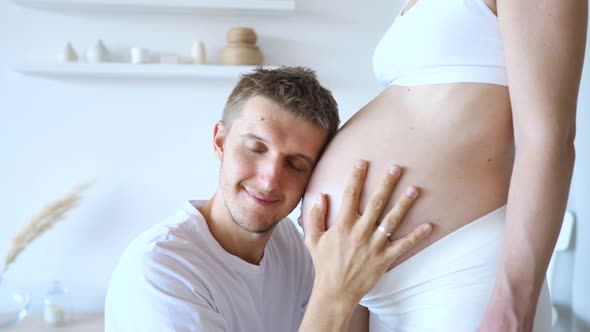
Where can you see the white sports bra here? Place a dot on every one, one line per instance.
(438, 42)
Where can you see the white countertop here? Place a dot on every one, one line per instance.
(87, 322)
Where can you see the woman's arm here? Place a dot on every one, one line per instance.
(544, 43)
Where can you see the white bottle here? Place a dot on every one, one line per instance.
(56, 305)
(68, 54)
(139, 55)
(198, 53)
(97, 53)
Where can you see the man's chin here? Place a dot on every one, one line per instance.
(254, 225)
(258, 229)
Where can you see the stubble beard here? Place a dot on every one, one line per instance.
(239, 217)
(239, 214)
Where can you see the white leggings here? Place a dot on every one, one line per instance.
(447, 286)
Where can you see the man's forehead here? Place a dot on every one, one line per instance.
(261, 114)
(262, 109)
(270, 122)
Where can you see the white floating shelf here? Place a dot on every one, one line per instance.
(165, 6)
(131, 71)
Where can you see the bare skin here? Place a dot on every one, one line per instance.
(474, 147)
(263, 176)
(468, 170)
(364, 251)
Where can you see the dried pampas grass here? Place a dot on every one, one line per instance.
(42, 221)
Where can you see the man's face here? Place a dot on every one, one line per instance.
(266, 160)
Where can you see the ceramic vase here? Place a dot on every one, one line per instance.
(198, 53)
(68, 54)
(97, 53)
(241, 48)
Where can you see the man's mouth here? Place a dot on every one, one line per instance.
(261, 199)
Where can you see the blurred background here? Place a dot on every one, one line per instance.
(147, 141)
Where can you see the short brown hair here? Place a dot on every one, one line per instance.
(296, 89)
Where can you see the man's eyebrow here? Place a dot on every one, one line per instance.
(256, 137)
(298, 155)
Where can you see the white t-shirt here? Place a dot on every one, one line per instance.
(176, 277)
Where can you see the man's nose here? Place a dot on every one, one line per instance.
(270, 173)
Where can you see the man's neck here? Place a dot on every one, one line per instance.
(232, 238)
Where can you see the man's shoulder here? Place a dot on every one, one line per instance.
(169, 254)
(171, 229)
(182, 238)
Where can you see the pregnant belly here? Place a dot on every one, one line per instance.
(460, 162)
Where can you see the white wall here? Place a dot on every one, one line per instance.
(148, 142)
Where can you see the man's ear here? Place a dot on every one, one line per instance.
(219, 139)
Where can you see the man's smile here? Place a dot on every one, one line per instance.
(261, 198)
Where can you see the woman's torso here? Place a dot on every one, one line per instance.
(452, 134)
(454, 141)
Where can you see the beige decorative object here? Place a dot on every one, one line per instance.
(41, 222)
(241, 48)
(198, 53)
(68, 54)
